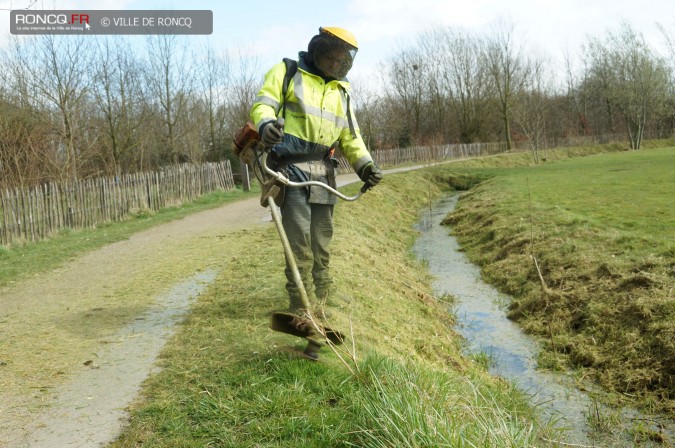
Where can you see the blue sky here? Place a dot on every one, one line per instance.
(276, 29)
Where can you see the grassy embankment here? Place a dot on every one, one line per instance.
(602, 231)
(228, 380)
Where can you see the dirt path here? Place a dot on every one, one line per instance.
(77, 342)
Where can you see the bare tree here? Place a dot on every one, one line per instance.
(632, 78)
(23, 160)
(53, 73)
(669, 38)
(405, 90)
(367, 102)
(118, 95)
(436, 125)
(577, 94)
(246, 82)
(510, 71)
(214, 82)
(169, 77)
(531, 111)
(245, 85)
(464, 76)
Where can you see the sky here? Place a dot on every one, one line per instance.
(275, 29)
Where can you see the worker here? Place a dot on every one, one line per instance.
(318, 116)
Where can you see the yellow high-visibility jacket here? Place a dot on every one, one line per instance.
(316, 116)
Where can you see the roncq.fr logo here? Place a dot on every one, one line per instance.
(28, 18)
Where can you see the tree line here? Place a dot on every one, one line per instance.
(454, 85)
(74, 108)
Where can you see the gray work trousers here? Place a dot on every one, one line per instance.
(309, 228)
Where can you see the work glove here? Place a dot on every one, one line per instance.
(270, 135)
(371, 174)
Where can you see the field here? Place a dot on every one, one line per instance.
(587, 247)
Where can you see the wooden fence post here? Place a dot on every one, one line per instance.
(245, 181)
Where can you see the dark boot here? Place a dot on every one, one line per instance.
(295, 305)
(324, 293)
(314, 343)
(312, 351)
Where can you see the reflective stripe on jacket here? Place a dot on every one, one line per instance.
(316, 116)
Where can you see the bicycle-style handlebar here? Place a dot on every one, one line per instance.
(281, 178)
(289, 183)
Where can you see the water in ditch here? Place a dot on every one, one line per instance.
(481, 317)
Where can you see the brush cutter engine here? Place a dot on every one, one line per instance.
(251, 151)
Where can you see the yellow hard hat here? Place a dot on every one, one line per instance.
(340, 33)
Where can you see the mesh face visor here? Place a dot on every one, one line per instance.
(334, 57)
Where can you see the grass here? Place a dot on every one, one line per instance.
(601, 229)
(230, 381)
(412, 407)
(227, 380)
(23, 261)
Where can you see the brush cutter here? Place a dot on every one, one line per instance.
(253, 152)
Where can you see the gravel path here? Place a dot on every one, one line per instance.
(77, 341)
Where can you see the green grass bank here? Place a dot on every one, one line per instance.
(601, 229)
(229, 381)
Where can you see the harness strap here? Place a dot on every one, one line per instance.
(291, 69)
(301, 158)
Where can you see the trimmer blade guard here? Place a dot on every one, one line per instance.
(302, 327)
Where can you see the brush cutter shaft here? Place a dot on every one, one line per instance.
(276, 216)
(312, 327)
(267, 176)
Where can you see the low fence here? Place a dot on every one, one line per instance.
(436, 153)
(36, 213)
(32, 214)
(421, 154)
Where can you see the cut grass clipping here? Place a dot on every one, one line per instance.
(228, 380)
(601, 231)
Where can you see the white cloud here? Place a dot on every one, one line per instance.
(552, 26)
